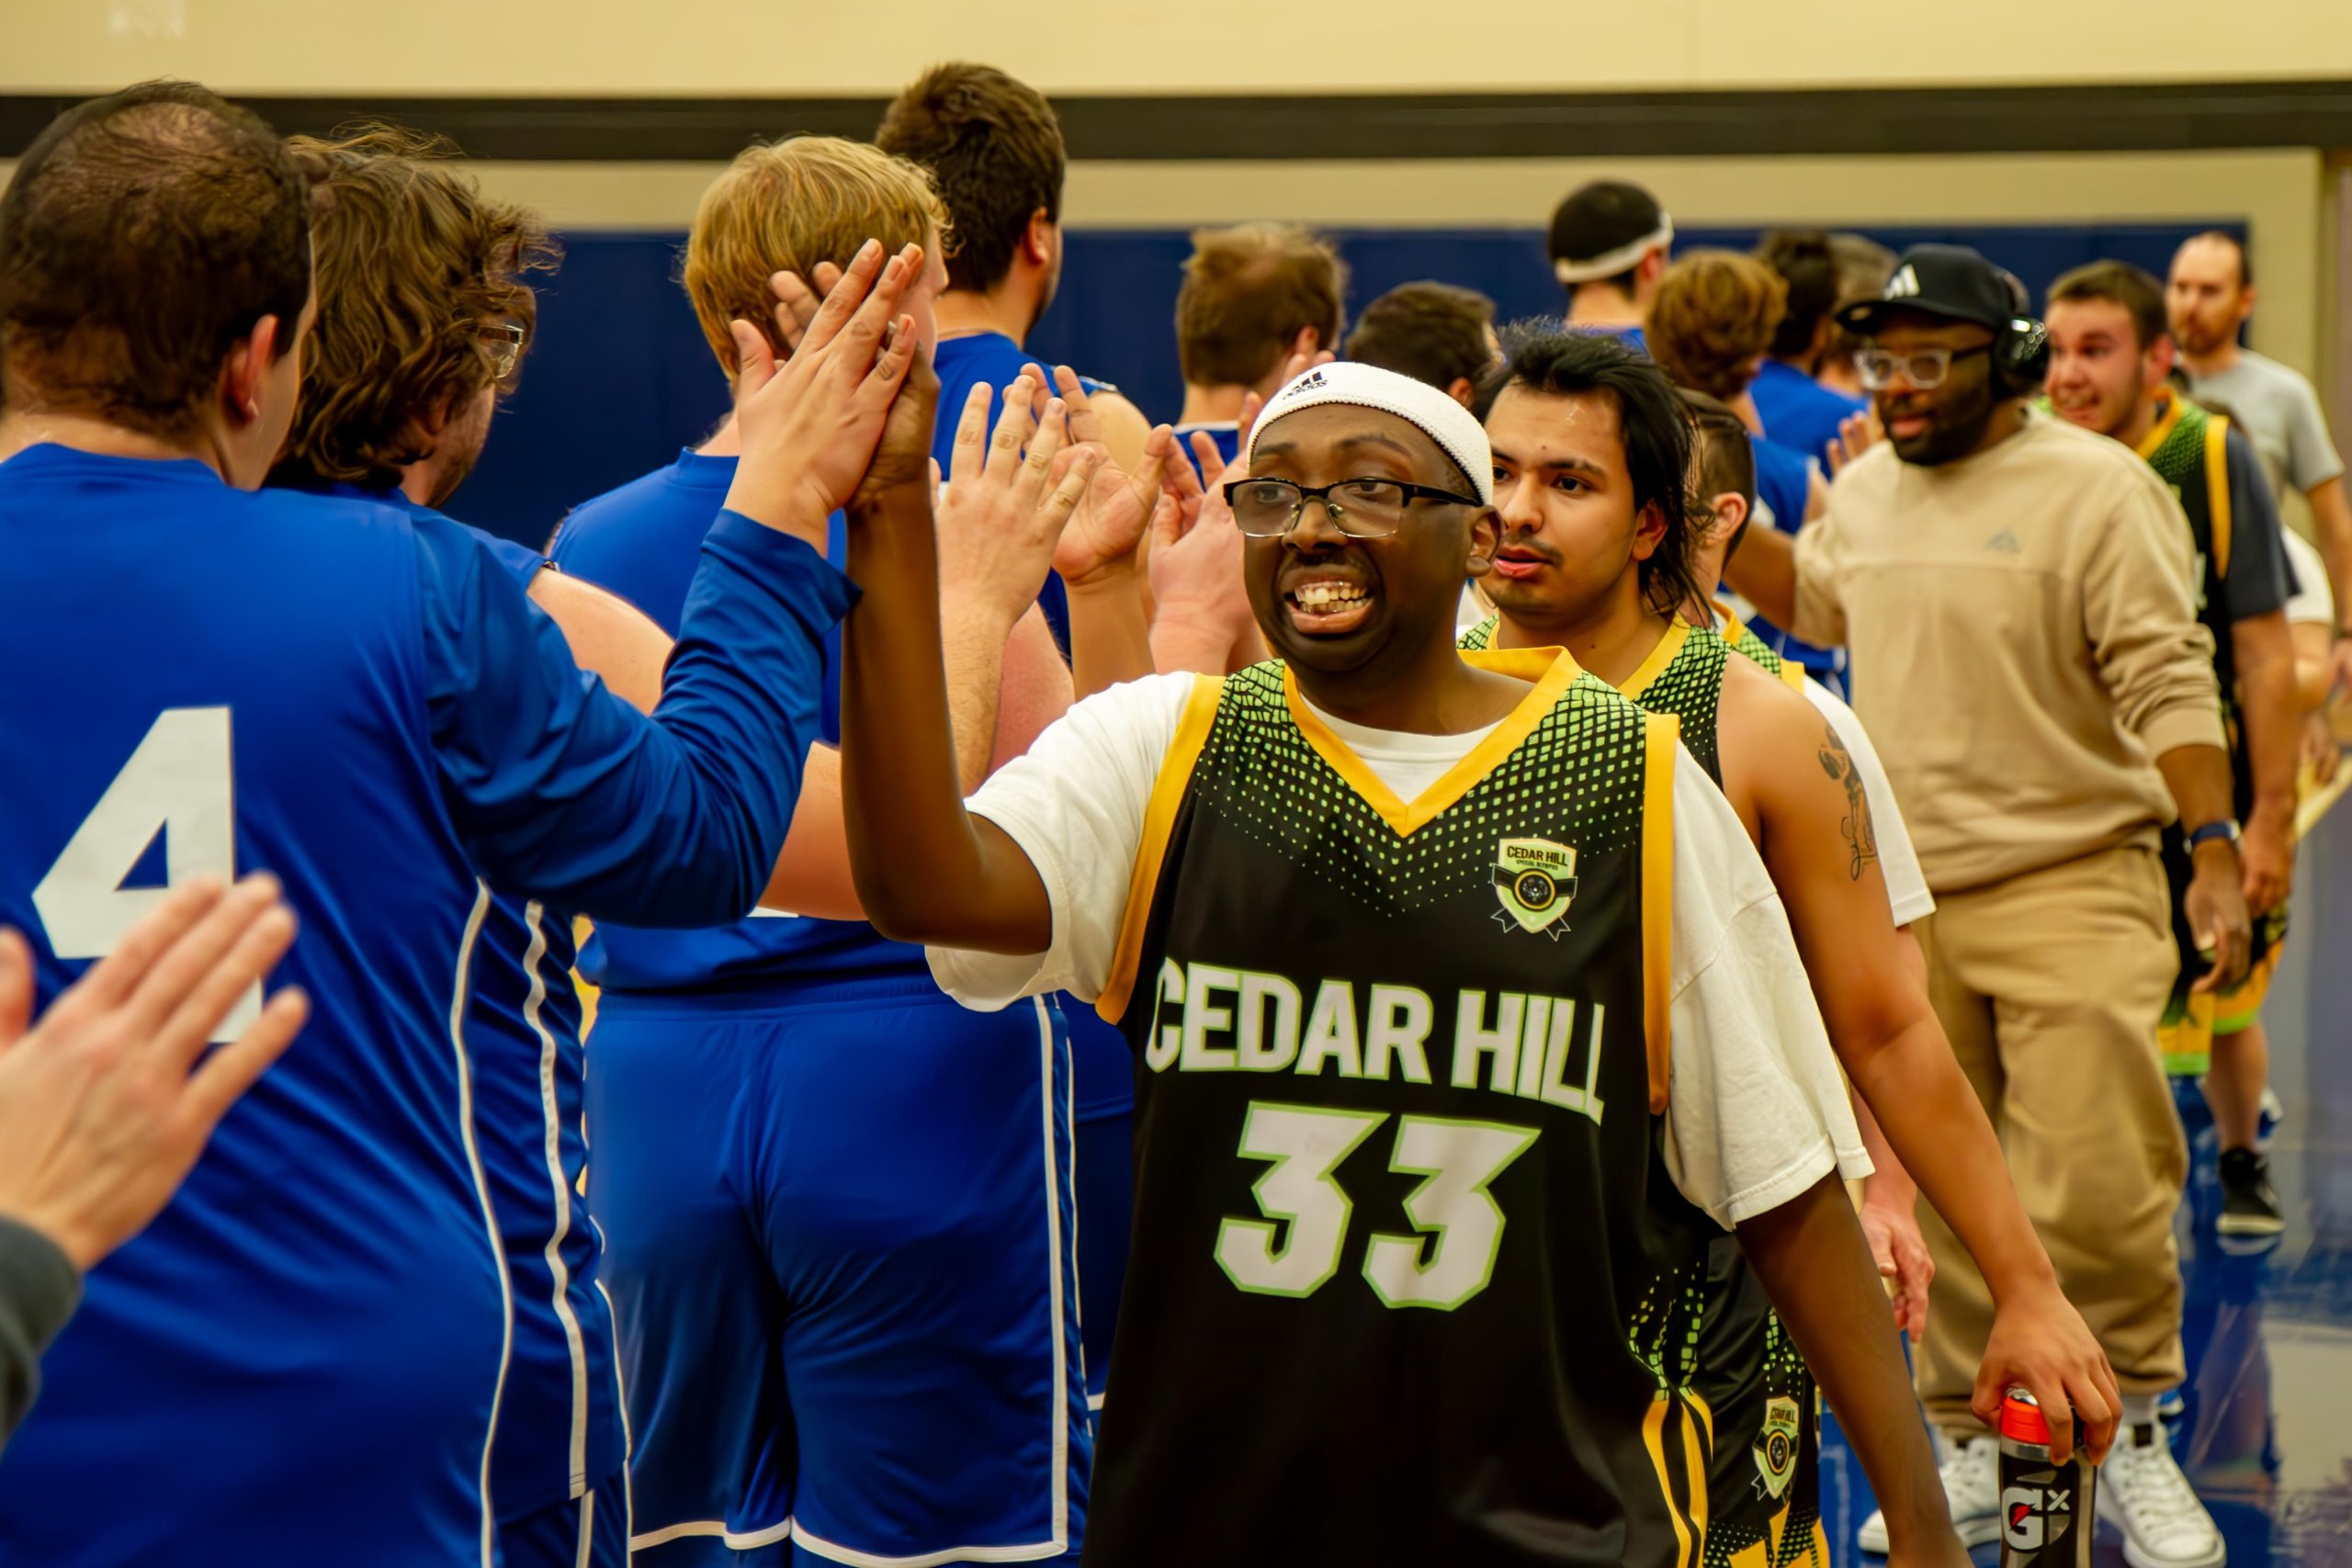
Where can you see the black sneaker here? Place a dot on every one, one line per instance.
(2249, 1203)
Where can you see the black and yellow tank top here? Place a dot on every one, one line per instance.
(1409, 1281)
(2188, 448)
(1763, 1457)
(1682, 676)
(1743, 639)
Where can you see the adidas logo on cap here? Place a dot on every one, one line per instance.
(1903, 284)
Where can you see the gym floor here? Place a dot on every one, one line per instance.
(2265, 1434)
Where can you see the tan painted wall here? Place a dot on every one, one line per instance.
(799, 46)
(2279, 193)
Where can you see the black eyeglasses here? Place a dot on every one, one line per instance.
(1363, 509)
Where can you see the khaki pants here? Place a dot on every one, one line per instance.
(2050, 986)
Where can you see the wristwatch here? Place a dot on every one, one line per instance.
(2226, 830)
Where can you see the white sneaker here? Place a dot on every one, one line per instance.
(2142, 1493)
(1972, 1478)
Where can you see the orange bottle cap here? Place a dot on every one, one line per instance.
(2022, 1420)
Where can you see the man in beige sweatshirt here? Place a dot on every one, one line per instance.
(2015, 595)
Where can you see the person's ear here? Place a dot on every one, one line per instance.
(1649, 531)
(2245, 301)
(250, 360)
(2162, 354)
(1731, 513)
(1463, 390)
(1486, 535)
(1306, 341)
(1038, 239)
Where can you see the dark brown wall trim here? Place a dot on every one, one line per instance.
(2165, 117)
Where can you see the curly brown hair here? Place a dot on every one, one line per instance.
(416, 270)
(1712, 317)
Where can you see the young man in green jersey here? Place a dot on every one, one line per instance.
(1467, 1022)
(2111, 353)
(1600, 553)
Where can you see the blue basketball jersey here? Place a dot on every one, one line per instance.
(301, 1357)
(1799, 412)
(560, 1426)
(1783, 481)
(639, 541)
(1225, 433)
(964, 363)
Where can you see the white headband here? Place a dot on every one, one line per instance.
(1455, 429)
(1623, 259)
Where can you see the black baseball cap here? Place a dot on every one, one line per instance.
(1952, 281)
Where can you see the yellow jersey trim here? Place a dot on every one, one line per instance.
(1551, 669)
(1660, 657)
(2217, 491)
(1790, 673)
(2153, 441)
(1662, 733)
(1151, 853)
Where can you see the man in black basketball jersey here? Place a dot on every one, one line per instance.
(1468, 1021)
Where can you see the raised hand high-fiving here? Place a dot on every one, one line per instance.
(811, 426)
(1116, 510)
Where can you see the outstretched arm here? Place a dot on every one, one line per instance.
(1809, 1253)
(926, 869)
(1820, 843)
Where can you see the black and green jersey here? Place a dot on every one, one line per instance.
(2233, 524)
(1409, 1281)
(2187, 449)
(1682, 676)
(1743, 639)
(1763, 1467)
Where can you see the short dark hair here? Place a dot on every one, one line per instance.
(1726, 454)
(2142, 297)
(415, 264)
(1596, 219)
(2223, 237)
(1433, 332)
(994, 148)
(1657, 431)
(1247, 291)
(144, 234)
(1803, 258)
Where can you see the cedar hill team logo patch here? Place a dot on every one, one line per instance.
(1535, 880)
(1776, 1449)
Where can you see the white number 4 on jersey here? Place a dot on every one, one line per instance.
(178, 780)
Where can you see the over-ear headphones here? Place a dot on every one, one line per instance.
(2021, 344)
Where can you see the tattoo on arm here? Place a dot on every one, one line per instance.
(1861, 839)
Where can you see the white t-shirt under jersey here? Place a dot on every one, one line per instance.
(1757, 1111)
(1906, 884)
(2312, 602)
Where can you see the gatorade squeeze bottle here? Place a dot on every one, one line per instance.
(2046, 1512)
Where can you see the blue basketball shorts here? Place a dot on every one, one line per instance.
(840, 1248)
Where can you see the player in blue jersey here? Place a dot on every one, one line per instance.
(838, 1208)
(1711, 317)
(1609, 243)
(994, 151)
(424, 315)
(1795, 409)
(301, 1359)
(1254, 298)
